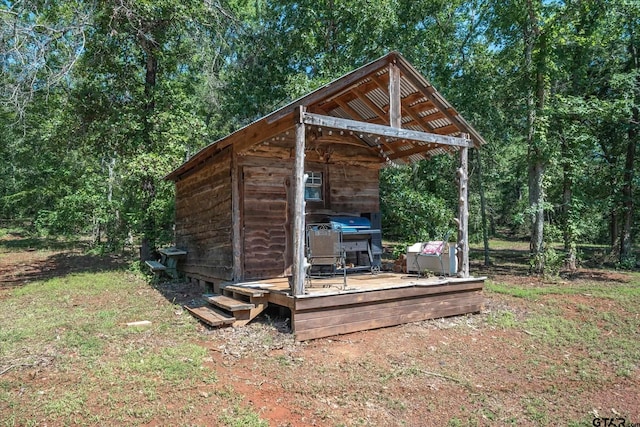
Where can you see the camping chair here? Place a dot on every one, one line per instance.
(324, 248)
(434, 248)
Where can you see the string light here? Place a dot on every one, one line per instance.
(387, 160)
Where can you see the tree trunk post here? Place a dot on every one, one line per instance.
(298, 265)
(463, 213)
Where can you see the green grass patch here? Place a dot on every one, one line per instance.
(608, 335)
(62, 288)
(503, 319)
(622, 292)
(14, 240)
(173, 364)
(239, 416)
(66, 405)
(74, 361)
(557, 331)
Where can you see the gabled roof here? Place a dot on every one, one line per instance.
(365, 95)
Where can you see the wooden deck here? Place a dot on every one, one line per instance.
(371, 301)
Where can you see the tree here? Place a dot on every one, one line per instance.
(40, 42)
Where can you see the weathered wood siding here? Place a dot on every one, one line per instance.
(203, 220)
(266, 220)
(266, 208)
(353, 189)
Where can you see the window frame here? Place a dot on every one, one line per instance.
(314, 175)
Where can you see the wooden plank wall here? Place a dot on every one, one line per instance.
(354, 189)
(319, 317)
(266, 219)
(203, 219)
(266, 208)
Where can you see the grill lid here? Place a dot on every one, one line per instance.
(350, 223)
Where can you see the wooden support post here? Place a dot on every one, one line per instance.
(395, 102)
(297, 267)
(463, 214)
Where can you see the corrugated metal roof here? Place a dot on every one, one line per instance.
(406, 88)
(362, 109)
(368, 81)
(378, 97)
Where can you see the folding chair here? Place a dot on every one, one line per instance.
(324, 248)
(434, 248)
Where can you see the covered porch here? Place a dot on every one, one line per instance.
(244, 204)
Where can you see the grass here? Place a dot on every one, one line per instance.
(620, 292)
(239, 416)
(606, 331)
(75, 328)
(529, 360)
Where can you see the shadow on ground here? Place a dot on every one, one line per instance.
(19, 268)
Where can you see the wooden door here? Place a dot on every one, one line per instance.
(266, 221)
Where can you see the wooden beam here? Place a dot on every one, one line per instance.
(445, 130)
(463, 214)
(405, 105)
(297, 266)
(422, 106)
(336, 88)
(380, 130)
(347, 108)
(377, 110)
(434, 116)
(415, 97)
(395, 105)
(412, 75)
(357, 116)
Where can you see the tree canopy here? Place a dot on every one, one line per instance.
(99, 100)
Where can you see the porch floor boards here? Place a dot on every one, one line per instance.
(371, 301)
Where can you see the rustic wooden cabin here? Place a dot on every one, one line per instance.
(244, 203)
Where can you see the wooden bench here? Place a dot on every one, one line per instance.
(156, 268)
(169, 258)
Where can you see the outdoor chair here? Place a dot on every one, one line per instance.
(324, 248)
(434, 248)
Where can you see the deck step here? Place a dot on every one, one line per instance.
(250, 292)
(211, 316)
(228, 303)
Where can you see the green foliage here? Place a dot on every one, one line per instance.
(99, 101)
(410, 211)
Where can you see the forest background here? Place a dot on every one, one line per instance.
(99, 100)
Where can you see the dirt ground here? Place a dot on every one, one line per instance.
(465, 370)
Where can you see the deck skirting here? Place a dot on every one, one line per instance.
(328, 315)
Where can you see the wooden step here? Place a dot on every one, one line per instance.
(211, 316)
(228, 303)
(250, 292)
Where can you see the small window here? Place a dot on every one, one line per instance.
(313, 186)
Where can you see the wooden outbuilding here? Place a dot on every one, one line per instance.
(244, 201)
